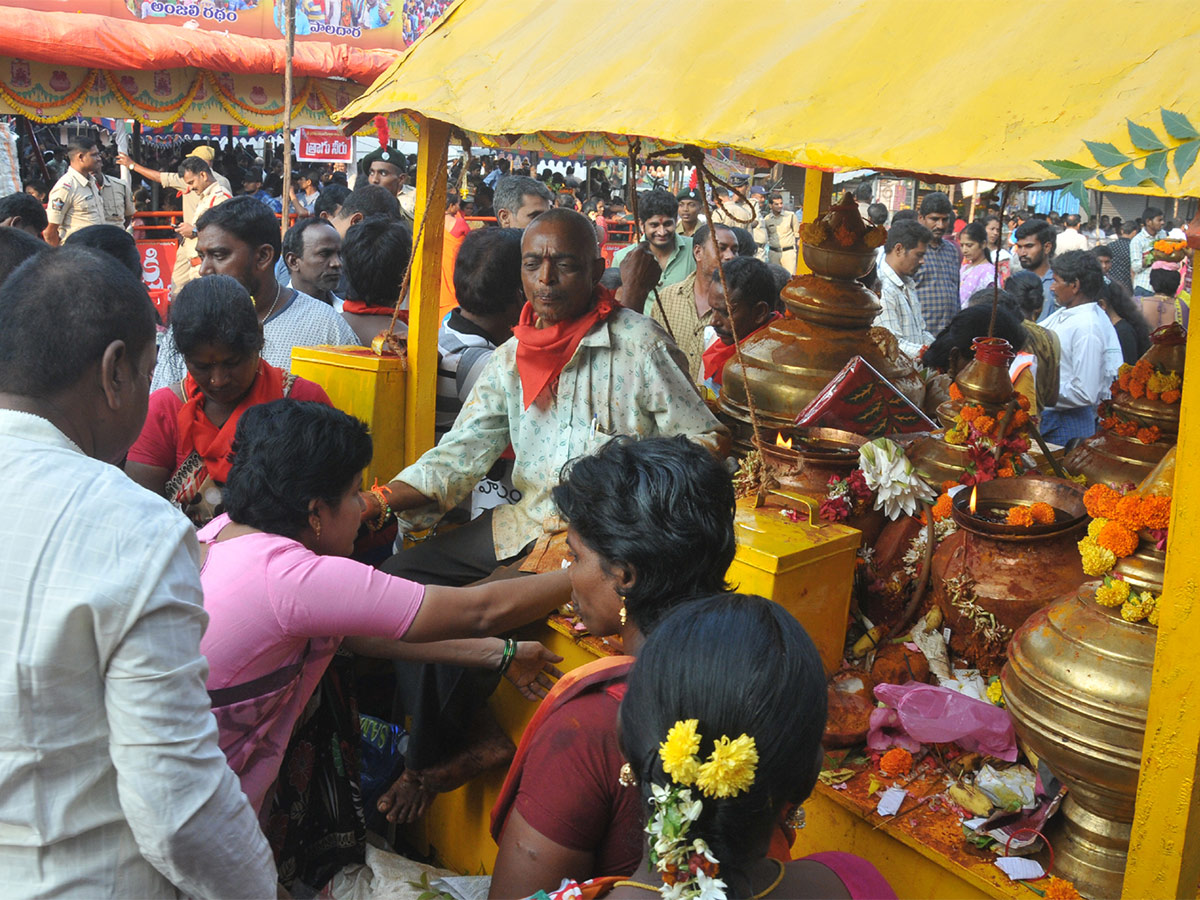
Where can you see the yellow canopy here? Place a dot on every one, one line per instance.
(962, 91)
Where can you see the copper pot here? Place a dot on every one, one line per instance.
(936, 460)
(1077, 684)
(833, 262)
(816, 455)
(989, 577)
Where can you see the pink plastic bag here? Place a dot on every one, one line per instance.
(935, 715)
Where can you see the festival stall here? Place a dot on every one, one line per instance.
(985, 574)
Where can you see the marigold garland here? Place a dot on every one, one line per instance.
(1061, 889)
(1096, 560)
(1116, 537)
(1113, 592)
(72, 102)
(943, 507)
(131, 106)
(1100, 501)
(955, 391)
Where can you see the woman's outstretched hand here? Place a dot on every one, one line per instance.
(532, 669)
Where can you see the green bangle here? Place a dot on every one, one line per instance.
(510, 650)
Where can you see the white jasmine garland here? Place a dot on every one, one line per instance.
(887, 471)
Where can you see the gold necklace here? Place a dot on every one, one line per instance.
(278, 294)
(763, 893)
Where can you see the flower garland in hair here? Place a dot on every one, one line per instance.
(688, 868)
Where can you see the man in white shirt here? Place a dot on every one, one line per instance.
(1070, 238)
(1091, 353)
(1141, 244)
(240, 238)
(112, 782)
(907, 241)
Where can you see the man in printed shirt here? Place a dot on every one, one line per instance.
(937, 278)
(1141, 244)
(113, 784)
(906, 249)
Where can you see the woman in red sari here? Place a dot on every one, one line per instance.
(650, 527)
(184, 449)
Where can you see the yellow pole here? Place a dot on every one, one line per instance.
(818, 195)
(425, 289)
(1164, 854)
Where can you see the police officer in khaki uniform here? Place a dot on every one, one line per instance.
(116, 200)
(736, 212)
(74, 201)
(781, 229)
(184, 269)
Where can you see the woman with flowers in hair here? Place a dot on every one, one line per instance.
(650, 528)
(722, 724)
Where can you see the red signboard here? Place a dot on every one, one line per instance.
(326, 145)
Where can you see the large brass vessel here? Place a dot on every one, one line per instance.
(1109, 458)
(790, 361)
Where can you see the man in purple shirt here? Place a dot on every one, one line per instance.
(937, 279)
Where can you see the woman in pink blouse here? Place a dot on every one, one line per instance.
(282, 597)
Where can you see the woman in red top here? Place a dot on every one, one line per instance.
(184, 449)
(650, 527)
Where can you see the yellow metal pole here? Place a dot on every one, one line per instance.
(1164, 854)
(425, 288)
(818, 194)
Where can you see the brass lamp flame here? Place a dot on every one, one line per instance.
(780, 442)
(974, 494)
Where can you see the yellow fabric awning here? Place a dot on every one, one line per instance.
(951, 90)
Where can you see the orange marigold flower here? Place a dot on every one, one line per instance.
(1142, 370)
(1006, 472)
(946, 485)
(896, 761)
(942, 508)
(1043, 513)
(1101, 501)
(1137, 389)
(1170, 396)
(970, 413)
(1061, 889)
(1156, 512)
(1123, 380)
(1020, 419)
(1126, 429)
(1128, 512)
(1023, 402)
(1151, 394)
(1020, 515)
(955, 392)
(1149, 435)
(1116, 537)
(984, 424)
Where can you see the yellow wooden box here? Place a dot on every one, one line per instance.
(367, 386)
(806, 568)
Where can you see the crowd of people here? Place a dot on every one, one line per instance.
(198, 584)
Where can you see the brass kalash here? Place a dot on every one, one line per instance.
(1111, 458)
(790, 361)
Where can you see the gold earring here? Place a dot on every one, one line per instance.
(317, 526)
(626, 779)
(795, 818)
(622, 613)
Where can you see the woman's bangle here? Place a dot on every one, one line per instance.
(510, 650)
(381, 493)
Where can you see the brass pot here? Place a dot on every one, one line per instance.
(989, 577)
(815, 456)
(1077, 684)
(1108, 458)
(937, 461)
(1165, 416)
(832, 262)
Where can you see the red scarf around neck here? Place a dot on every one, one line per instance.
(542, 353)
(719, 353)
(358, 308)
(213, 444)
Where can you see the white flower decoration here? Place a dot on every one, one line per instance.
(898, 489)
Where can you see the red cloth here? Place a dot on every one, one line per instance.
(860, 400)
(452, 240)
(158, 444)
(358, 308)
(564, 778)
(542, 353)
(719, 353)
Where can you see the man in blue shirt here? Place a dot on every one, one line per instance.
(937, 279)
(252, 185)
(1034, 248)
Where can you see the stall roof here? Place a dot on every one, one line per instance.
(833, 84)
(94, 41)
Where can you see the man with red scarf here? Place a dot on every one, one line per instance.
(753, 304)
(581, 370)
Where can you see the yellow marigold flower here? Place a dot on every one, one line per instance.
(730, 768)
(678, 752)
(1061, 889)
(1096, 559)
(1132, 611)
(995, 693)
(1094, 527)
(1113, 592)
(1152, 619)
